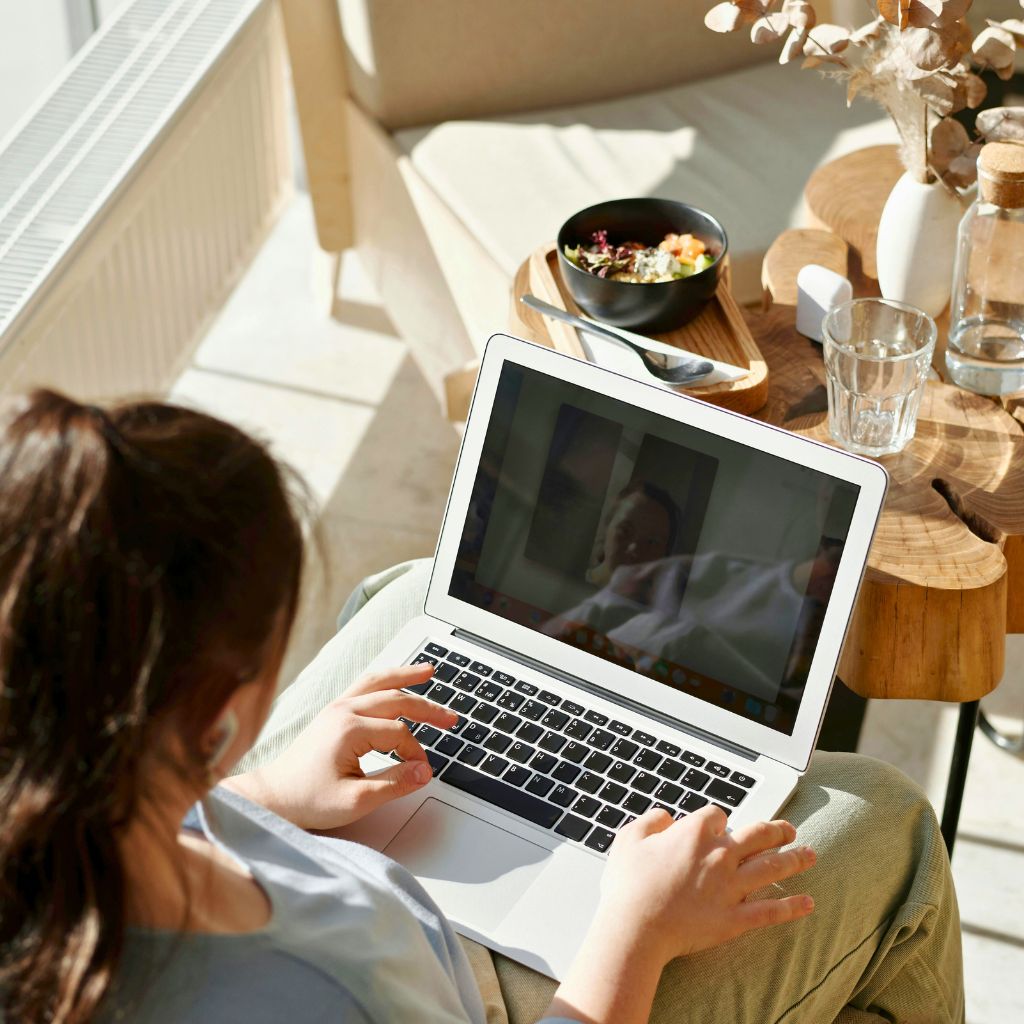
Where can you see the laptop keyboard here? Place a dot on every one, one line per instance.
(555, 762)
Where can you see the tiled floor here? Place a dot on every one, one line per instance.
(344, 404)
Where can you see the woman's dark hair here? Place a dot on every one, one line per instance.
(147, 554)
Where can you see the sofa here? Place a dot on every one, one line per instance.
(445, 140)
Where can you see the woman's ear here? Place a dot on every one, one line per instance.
(224, 731)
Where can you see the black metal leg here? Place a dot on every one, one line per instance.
(1011, 746)
(958, 771)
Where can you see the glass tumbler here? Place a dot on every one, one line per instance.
(877, 356)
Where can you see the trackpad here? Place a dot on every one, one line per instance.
(475, 871)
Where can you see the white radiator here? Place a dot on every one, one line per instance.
(135, 193)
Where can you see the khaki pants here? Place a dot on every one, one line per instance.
(883, 943)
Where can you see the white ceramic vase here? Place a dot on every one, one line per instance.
(917, 243)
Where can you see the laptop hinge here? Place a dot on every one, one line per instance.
(615, 698)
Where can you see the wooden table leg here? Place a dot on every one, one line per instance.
(958, 771)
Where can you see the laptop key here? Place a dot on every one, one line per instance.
(726, 794)
(466, 681)
(440, 694)
(647, 759)
(669, 792)
(524, 687)
(436, 650)
(722, 807)
(494, 765)
(669, 748)
(480, 668)
(555, 719)
(488, 690)
(610, 816)
(621, 772)
(563, 795)
(644, 737)
(448, 745)
(504, 678)
(629, 818)
(624, 749)
(572, 707)
(530, 731)
(575, 752)
(516, 775)
(437, 762)
(484, 713)
(596, 717)
(573, 827)
(501, 794)
(636, 803)
(498, 742)
(420, 688)
(462, 703)
(474, 733)
(577, 729)
(697, 780)
(520, 752)
(424, 659)
(589, 782)
(597, 761)
(445, 672)
(532, 710)
(717, 769)
(553, 742)
(601, 739)
(458, 659)
(507, 722)
(671, 770)
(539, 785)
(670, 811)
(566, 772)
(741, 780)
(550, 698)
(695, 759)
(427, 735)
(510, 700)
(471, 755)
(645, 783)
(692, 802)
(543, 762)
(620, 727)
(459, 725)
(612, 792)
(600, 839)
(587, 806)
(410, 725)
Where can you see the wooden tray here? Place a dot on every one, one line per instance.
(720, 332)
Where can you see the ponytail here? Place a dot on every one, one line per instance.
(144, 554)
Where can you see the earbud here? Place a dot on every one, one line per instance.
(228, 727)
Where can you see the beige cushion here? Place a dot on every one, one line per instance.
(740, 145)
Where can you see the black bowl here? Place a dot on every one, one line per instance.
(648, 307)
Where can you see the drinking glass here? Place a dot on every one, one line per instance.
(877, 355)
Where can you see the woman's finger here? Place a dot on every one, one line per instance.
(399, 780)
(391, 679)
(750, 840)
(396, 704)
(653, 820)
(711, 819)
(768, 868)
(764, 913)
(385, 735)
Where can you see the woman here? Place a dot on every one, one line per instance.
(149, 571)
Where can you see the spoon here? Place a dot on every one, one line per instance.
(670, 369)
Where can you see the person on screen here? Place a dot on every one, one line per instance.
(643, 527)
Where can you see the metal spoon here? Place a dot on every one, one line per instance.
(671, 369)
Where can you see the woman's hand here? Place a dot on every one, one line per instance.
(317, 782)
(672, 888)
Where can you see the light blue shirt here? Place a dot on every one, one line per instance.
(353, 939)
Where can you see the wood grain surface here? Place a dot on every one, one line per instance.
(720, 332)
(945, 579)
(846, 197)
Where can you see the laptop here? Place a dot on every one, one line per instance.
(637, 599)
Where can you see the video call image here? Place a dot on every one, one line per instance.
(688, 558)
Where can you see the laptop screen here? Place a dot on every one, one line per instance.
(692, 559)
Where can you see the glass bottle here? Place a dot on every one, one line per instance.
(986, 321)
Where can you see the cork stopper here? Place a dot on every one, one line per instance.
(1001, 174)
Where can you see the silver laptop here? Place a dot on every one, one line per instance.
(637, 599)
